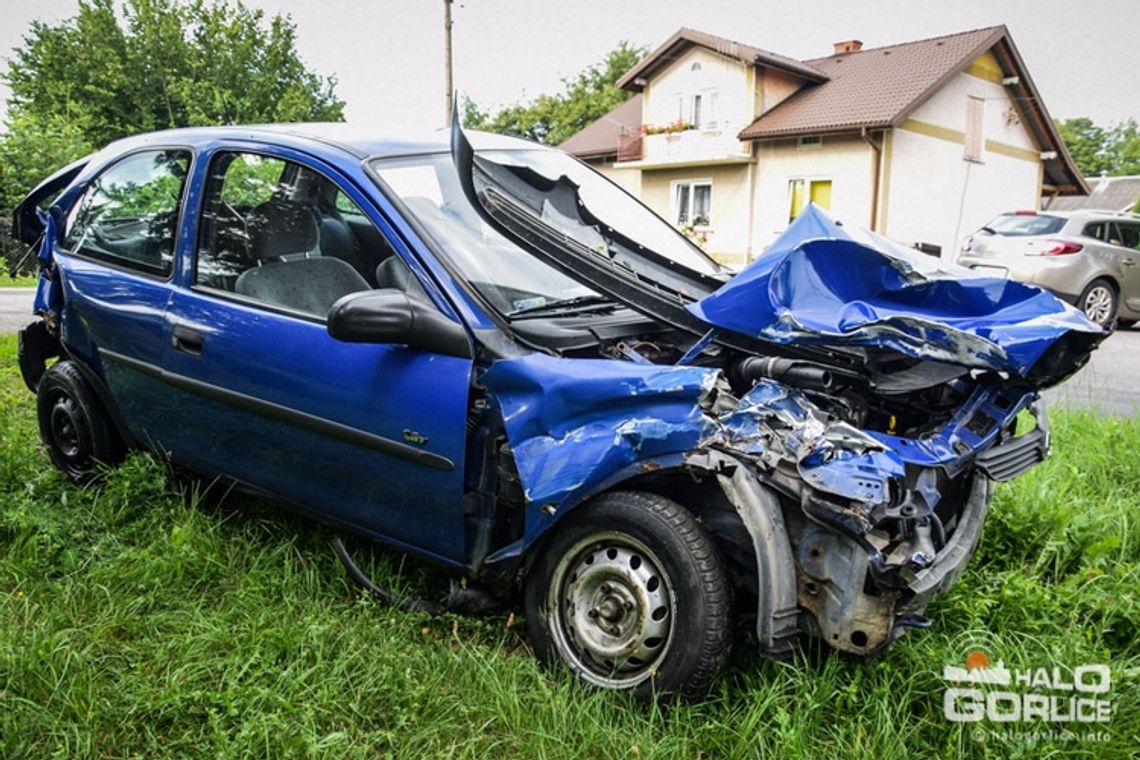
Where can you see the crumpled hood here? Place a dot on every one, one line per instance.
(822, 283)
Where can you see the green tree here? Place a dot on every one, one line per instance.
(551, 119)
(1097, 150)
(101, 75)
(1124, 148)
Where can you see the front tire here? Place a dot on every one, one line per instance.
(1098, 302)
(631, 594)
(74, 426)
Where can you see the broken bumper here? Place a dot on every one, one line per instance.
(864, 589)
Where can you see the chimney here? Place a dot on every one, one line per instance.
(848, 46)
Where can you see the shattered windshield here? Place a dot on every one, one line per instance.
(615, 208)
(513, 280)
(507, 276)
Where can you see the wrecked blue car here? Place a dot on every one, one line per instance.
(478, 350)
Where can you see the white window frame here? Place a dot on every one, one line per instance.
(674, 206)
(708, 98)
(809, 142)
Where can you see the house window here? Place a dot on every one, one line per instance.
(692, 202)
(698, 109)
(975, 112)
(800, 191)
(809, 141)
(704, 109)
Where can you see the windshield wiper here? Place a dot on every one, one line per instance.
(564, 304)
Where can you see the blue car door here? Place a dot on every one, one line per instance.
(371, 436)
(116, 258)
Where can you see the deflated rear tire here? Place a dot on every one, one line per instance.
(631, 594)
(74, 426)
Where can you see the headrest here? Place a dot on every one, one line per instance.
(278, 228)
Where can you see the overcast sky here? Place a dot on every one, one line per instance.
(388, 54)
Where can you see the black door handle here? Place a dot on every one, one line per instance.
(188, 340)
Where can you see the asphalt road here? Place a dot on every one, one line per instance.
(1109, 383)
(15, 308)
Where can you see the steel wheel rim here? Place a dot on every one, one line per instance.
(65, 430)
(611, 609)
(1098, 304)
(69, 436)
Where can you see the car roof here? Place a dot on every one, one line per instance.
(358, 140)
(1084, 213)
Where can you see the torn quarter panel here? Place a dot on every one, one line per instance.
(821, 284)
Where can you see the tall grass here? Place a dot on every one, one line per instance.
(138, 620)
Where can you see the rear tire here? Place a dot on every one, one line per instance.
(631, 594)
(1098, 302)
(74, 426)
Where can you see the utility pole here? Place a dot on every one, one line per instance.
(447, 58)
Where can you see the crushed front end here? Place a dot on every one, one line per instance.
(843, 403)
(879, 524)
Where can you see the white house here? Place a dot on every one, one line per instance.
(923, 141)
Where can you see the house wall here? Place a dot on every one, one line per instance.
(846, 161)
(668, 98)
(628, 179)
(728, 220)
(935, 195)
(773, 88)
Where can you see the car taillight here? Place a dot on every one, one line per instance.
(1059, 247)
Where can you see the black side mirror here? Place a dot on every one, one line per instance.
(392, 316)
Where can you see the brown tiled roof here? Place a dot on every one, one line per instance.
(683, 38)
(872, 88)
(880, 87)
(602, 136)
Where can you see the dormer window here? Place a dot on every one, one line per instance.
(698, 109)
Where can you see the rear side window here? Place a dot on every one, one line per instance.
(1124, 234)
(1094, 230)
(1015, 225)
(128, 215)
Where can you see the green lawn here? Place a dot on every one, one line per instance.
(137, 621)
(19, 281)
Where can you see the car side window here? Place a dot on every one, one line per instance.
(1094, 230)
(1129, 235)
(128, 215)
(282, 233)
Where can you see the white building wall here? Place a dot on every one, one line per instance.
(728, 217)
(846, 161)
(934, 194)
(668, 97)
(628, 179)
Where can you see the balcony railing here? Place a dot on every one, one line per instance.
(630, 146)
(689, 145)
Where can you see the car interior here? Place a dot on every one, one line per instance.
(290, 237)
